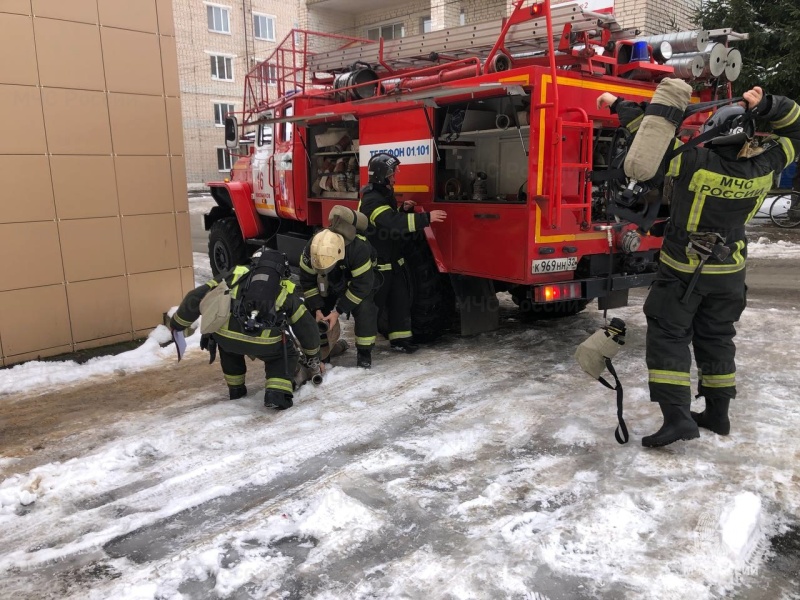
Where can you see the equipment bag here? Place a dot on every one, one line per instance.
(215, 308)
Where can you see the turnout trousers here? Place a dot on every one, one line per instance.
(278, 378)
(394, 297)
(705, 323)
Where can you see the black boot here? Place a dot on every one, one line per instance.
(715, 416)
(237, 391)
(277, 400)
(404, 345)
(678, 425)
(364, 358)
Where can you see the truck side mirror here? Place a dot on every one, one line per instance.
(231, 132)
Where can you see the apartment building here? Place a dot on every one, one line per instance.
(219, 41)
(94, 222)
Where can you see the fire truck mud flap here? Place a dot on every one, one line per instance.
(477, 302)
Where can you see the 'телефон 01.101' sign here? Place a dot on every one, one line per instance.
(410, 152)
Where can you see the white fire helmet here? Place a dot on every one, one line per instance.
(327, 248)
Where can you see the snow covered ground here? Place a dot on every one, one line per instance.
(481, 467)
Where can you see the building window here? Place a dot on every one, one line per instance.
(264, 27)
(387, 32)
(221, 68)
(462, 17)
(224, 162)
(269, 73)
(426, 24)
(220, 112)
(218, 21)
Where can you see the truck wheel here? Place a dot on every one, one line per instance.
(548, 310)
(226, 247)
(432, 298)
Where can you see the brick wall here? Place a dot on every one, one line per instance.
(199, 91)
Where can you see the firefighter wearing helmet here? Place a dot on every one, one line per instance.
(700, 291)
(337, 277)
(392, 226)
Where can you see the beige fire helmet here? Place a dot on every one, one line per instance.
(327, 248)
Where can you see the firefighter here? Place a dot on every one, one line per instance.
(337, 277)
(263, 304)
(390, 232)
(700, 290)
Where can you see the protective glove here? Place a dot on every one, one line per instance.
(207, 342)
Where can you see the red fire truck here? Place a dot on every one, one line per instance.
(495, 122)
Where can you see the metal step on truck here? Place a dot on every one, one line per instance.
(494, 122)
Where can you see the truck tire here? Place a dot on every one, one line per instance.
(432, 298)
(226, 247)
(540, 311)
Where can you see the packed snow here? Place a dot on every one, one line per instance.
(480, 467)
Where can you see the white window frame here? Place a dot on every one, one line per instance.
(423, 21)
(229, 105)
(380, 28)
(222, 7)
(226, 159)
(227, 57)
(272, 18)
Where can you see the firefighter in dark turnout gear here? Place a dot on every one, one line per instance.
(337, 277)
(700, 290)
(263, 304)
(390, 231)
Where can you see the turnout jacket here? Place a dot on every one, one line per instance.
(232, 336)
(713, 191)
(390, 228)
(351, 280)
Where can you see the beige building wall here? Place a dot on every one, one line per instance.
(94, 226)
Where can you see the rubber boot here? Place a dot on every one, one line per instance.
(237, 391)
(364, 358)
(715, 416)
(277, 400)
(404, 345)
(678, 425)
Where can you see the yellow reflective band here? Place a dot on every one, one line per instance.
(365, 341)
(263, 340)
(289, 286)
(713, 269)
(278, 383)
(297, 314)
(311, 292)
(378, 211)
(211, 283)
(718, 381)
(399, 335)
(675, 164)
(788, 119)
(788, 150)
(362, 269)
(234, 380)
(307, 268)
(181, 321)
(281, 299)
(386, 267)
(633, 126)
(311, 351)
(670, 377)
(352, 297)
(412, 223)
(402, 261)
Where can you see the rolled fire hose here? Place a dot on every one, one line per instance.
(656, 133)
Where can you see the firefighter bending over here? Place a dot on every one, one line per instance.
(700, 290)
(337, 277)
(263, 305)
(391, 230)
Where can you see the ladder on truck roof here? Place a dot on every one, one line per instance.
(528, 35)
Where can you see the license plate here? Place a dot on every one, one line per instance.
(553, 265)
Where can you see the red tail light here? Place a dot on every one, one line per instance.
(557, 292)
